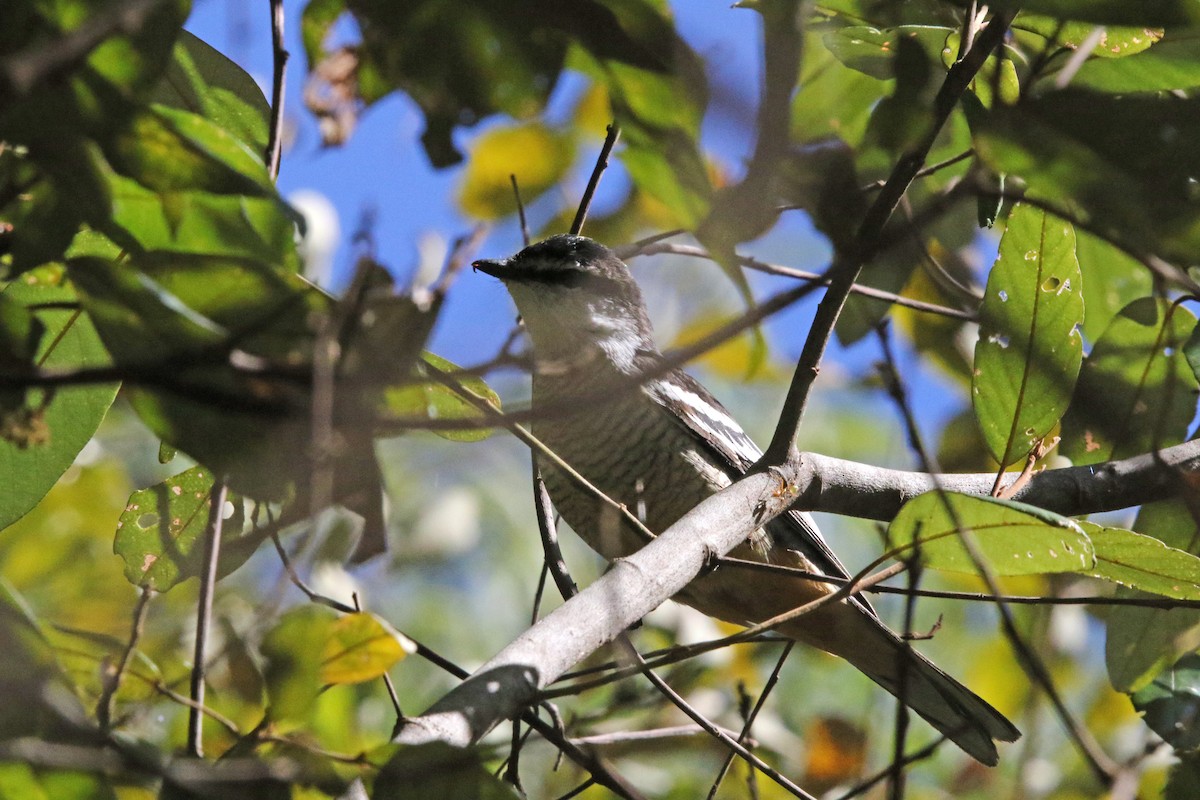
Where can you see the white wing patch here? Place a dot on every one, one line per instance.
(715, 422)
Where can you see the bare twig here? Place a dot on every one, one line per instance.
(847, 266)
(778, 269)
(280, 58)
(724, 738)
(112, 677)
(520, 210)
(743, 737)
(610, 141)
(555, 563)
(208, 581)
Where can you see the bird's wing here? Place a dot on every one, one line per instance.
(723, 439)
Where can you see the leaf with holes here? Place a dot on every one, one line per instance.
(1136, 391)
(361, 647)
(1011, 538)
(160, 534)
(1143, 562)
(1029, 348)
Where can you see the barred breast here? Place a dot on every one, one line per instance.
(626, 447)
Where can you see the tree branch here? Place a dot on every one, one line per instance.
(634, 587)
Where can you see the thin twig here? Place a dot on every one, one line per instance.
(920, 755)
(762, 699)
(112, 678)
(520, 210)
(280, 58)
(610, 141)
(712, 730)
(208, 581)
(551, 551)
(778, 269)
(848, 266)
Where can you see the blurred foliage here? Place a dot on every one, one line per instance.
(152, 308)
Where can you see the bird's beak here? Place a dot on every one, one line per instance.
(493, 267)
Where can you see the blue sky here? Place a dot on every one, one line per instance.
(384, 171)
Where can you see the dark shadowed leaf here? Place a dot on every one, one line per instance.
(1135, 391)
(439, 770)
(1170, 704)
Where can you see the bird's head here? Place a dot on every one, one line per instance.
(576, 297)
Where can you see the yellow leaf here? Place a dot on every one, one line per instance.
(742, 357)
(537, 155)
(361, 647)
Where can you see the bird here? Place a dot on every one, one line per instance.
(661, 445)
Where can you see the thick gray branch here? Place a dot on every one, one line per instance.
(869, 492)
(632, 588)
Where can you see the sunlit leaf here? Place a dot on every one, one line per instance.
(1029, 348)
(535, 154)
(1115, 41)
(1172, 64)
(41, 432)
(1011, 538)
(873, 51)
(168, 149)
(204, 81)
(433, 399)
(361, 647)
(160, 535)
(1142, 642)
(1143, 562)
(1111, 12)
(1135, 391)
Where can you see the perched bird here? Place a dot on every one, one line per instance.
(662, 446)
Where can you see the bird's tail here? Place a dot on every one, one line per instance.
(963, 716)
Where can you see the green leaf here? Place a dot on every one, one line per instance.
(1172, 64)
(1171, 703)
(167, 149)
(361, 647)
(439, 770)
(234, 225)
(1012, 538)
(1087, 151)
(203, 81)
(1115, 41)
(292, 650)
(1142, 642)
(1111, 280)
(434, 400)
(1029, 348)
(44, 431)
(538, 156)
(160, 535)
(1111, 12)
(1135, 391)
(872, 51)
(315, 22)
(832, 99)
(1143, 562)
